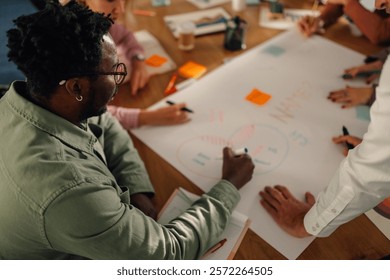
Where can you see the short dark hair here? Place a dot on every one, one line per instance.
(50, 45)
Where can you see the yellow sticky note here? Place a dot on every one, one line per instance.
(156, 60)
(258, 97)
(192, 70)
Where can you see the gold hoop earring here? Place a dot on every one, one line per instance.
(79, 98)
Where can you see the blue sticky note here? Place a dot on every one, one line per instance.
(363, 113)
(274, 50)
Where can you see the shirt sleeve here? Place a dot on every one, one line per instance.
(122, 157)
(331, 13)
(127, 117)
(375, 27)
(91, 220)
(126, 44)
(363, 179)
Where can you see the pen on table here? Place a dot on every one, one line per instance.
(171, 84)
(363, 74)
(345, 132)
(183, 109)
(237, 152)
(214, 248)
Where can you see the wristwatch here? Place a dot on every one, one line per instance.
(139, 57)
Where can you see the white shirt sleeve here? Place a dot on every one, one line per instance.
(363, 179)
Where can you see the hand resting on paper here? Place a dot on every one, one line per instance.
(352, 96)
(287, 211)
(238, 170)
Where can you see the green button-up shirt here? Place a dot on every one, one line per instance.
(65, 192)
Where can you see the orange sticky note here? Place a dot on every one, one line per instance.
(156, 60)
(258, 97)
(192, 70)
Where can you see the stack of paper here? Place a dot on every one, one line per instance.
(206, 21)
(291, 16)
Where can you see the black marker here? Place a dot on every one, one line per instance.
(364, 74)
(345, 132)
(182, 109)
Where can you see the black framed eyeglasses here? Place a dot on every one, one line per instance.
(119, 74)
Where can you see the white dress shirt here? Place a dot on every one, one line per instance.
(363, 179)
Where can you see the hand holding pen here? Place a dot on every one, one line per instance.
(167, 115)
(349, 141)
(237, 169)
(309, 25)
(369, 71)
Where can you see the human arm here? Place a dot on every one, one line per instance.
(362, 180)
(309, 25)
(131, 118)
(128, 50)
(124, 162)
(96, 220)
(139, 75)
(371, 67)
(371, 24)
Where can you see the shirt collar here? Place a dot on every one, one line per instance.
(78, 137)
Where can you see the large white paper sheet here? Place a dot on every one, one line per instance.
(289, 138)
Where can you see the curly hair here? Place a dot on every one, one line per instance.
(50, 45)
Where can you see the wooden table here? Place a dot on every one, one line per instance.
(358, 239)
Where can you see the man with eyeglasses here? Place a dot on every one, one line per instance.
(72, 186)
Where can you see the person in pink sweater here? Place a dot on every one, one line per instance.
(374, 25)
(130, 52)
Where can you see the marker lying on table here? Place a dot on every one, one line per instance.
(237, 152)
(363, 74)
(183, 109)
(171, 85)
(345, 132)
